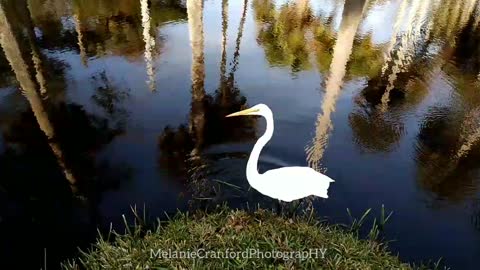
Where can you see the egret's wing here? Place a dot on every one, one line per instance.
(291, 183)
(298, 173)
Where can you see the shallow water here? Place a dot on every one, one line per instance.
(126, 99)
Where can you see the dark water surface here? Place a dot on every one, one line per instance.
(125, 100)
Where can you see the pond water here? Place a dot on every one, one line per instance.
(125, 100)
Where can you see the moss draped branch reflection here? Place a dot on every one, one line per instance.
(282, 33)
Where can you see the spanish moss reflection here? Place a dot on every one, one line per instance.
(374, 131)
(51, 29)
(417, 16)
(447, 156)
(467, 52)
(126, 30)
(283, 32)
(111, 100)
(448, 163)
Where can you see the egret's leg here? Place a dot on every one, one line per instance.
(290, 209)
(279, 207)
(296, 206)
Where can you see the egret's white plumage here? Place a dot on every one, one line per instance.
(288, 183)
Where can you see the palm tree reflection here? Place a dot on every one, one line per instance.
(50, 148)
(447, 150)
(149, 43)
(79, 29)
(181, 149)
(352, 15)
(70, 132)
(375, 127)
(404, 81)
(12, 44)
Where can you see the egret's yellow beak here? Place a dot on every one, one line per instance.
(244, 112)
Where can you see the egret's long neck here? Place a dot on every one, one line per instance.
(252, 171)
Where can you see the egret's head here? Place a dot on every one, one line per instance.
(260, 109)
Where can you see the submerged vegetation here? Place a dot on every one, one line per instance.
(235, 231)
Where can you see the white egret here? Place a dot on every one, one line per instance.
(288, 183)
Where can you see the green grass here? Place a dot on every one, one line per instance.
(237, 231)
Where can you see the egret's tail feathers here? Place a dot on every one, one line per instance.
(322, 191)
(330, 179)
